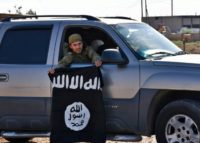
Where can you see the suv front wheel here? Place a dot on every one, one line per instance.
(179, 122)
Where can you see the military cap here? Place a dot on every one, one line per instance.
(74, 38)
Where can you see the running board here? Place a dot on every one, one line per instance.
(124, 137)
(24, 134)
(114, 137)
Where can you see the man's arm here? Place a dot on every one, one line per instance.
(94, 56)
(65, 61)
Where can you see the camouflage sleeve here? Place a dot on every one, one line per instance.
(65, 49)
(93, 55)
(65, 61)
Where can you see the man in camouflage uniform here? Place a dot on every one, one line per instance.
(78, 53)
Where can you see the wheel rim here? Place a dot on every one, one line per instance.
(182, 129)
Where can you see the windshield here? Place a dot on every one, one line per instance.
(146, 41)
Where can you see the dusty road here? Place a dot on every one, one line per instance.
(46, 140)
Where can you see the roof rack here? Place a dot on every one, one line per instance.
(118, 17)
(88, 17)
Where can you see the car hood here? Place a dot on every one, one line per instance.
(183, 60)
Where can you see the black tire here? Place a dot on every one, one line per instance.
(178, 122)
(17, 140)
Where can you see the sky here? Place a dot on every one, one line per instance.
(128, 8)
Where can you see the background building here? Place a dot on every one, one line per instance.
(4, 15)
(176, 24)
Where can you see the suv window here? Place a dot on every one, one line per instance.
(25, 45)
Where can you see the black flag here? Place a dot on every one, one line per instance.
(77, 113)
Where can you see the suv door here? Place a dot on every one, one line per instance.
(121, 84)
(25, 57)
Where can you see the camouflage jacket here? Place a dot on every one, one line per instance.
(88, 55)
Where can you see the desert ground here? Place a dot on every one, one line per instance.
(46, 140)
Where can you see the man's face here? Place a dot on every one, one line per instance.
(76, 47)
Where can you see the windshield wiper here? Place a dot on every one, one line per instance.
(161, 53)
(180, 53)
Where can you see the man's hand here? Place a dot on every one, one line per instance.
(98, 63)
(51, 71)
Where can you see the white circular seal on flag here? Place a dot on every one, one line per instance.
(76, 116)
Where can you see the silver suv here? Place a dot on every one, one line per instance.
(150, 85)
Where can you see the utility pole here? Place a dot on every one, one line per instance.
(146, 11)
(172, 5)
(141, 9)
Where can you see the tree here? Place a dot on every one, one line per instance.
(18, 9)
(31, 12)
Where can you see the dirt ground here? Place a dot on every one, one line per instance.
(191, 47)
(46, 140)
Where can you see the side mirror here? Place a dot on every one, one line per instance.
(112, 56)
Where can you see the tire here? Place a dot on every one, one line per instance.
(179, 122)
(17, 140)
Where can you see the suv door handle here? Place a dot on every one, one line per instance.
(3, 77)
